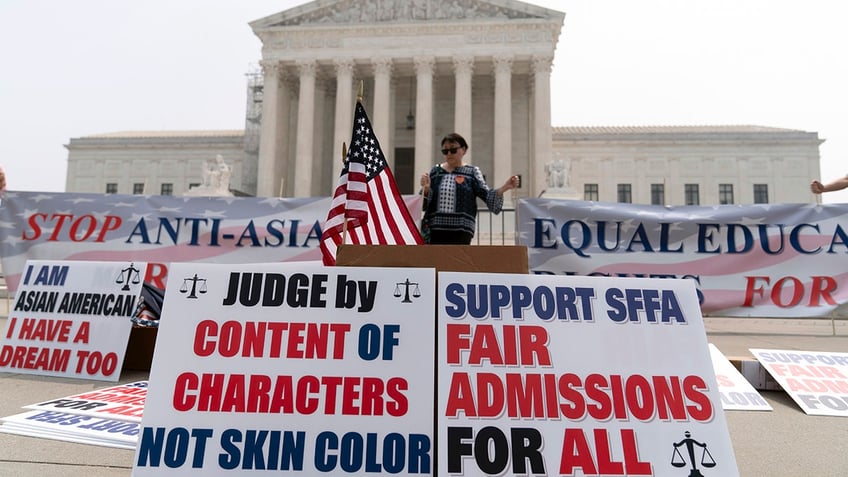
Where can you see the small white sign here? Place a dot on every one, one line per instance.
(124, 402)
(71, 319)
(737, 393)
(816, 380)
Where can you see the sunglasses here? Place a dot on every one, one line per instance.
(451, 150)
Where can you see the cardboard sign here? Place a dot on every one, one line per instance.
(291, 367)
(71, 319)
(124, 402)
(737, 393)
(547, 375)
(73, 428)
(816, 380)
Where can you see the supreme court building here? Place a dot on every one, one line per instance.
(481, 68)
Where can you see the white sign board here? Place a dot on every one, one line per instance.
(737, 393)
(71, 319)
(292, 368)
(123, 402)
(816, 380)
(553, 375)
(73, 428)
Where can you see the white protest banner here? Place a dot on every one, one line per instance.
(773, 260)
(737, 394)
(71, 319)
(73, 428)
(124, 402)
(816, 380)
(291, 367)
(548, 375)
(160, 229)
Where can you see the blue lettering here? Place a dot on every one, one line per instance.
(249, 232)
(795, 240)
(705, 238)
(542, 231)
(585, 239)
(747, 238)
(639, 237)
(174, 446)
(657, 306)
(453, 296)
(839, 238)
(765, 239)
(602, 236)
(275, 232)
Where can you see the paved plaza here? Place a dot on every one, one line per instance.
(784, 442)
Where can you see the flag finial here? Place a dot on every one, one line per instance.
(361, 91)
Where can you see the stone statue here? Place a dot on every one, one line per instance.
(224, 172)
(216, 179)
(557, 173)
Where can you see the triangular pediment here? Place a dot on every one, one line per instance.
(352, 12)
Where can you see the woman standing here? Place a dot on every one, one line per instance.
(450, 192)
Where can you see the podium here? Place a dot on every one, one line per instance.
(444, 258)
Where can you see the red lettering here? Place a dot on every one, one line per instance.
(576, 454)
(110, 222)
(524, 345)
(789, 291)
(461, 397)
(156, 275)
(58, 227)
(797, 292)
(701, 408)
(32, 221)
(303, 341)
(821, 289)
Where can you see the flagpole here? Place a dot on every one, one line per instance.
(359, 95)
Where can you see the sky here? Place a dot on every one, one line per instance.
(83, 67)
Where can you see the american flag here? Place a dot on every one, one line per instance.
(366, 198)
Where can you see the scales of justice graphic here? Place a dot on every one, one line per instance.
(407, 285)
(128, 275)
(184, 288)
(678, 460)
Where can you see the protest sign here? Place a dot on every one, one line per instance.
(107, 417)
(124, 402)
(737, 393)
(551, 375)
(160, 229)
(71, 319)
(772, 260)
(291, 367)
(816, 380)
(73, 428)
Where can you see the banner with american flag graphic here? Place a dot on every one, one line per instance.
(159, 230)
(760, 260)
(367, 208)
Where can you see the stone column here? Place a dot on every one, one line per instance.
(268, 166)
(381, 118)
(463, 67)
(542, 135)
(305, 129)
(424, 114)
(503, 121)
(344, 114)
